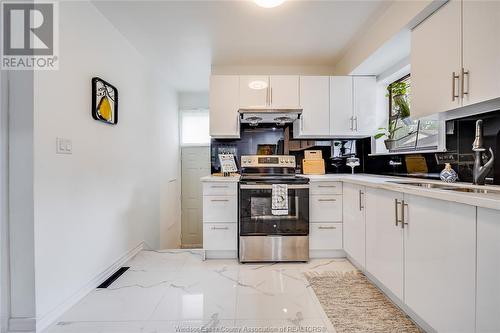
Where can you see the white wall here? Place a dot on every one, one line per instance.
(193, 100)
(119, 187)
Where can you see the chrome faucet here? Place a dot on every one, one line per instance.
(480, 171)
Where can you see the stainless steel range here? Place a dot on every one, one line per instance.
(274, 210)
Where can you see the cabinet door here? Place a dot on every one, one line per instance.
(284, 91)
(254, 91)
(315, 103)
(440, 257)
(481, 50)
(488, 271)
(325, 208)
(354, 222)
(341, 105)
(384, 238)
(220, 236)
(325, 236)
(435, 55)
(224, 92)
(365, 101)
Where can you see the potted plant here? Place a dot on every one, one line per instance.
(389, 133)
(398, 92)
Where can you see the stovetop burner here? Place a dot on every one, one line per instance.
(273, 179)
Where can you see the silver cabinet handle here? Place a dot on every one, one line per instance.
(220, 228)
(396, 211)
(327, 228)
(327, 186)
(271, 89)
(403, 215)
(454, 77)
(219, 200)
(356, 123)
(361, 207)
(219, 186)
(327, 200)
(464, 73)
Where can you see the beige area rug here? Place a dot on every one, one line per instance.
(355, 305)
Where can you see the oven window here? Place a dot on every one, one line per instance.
(256, 216)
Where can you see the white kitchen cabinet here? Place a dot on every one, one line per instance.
(315, 103)
(325, 236)
(220, 236)
(436, 62)
(325, 208)
(440, 257)
(488, 271)
(261, 92)
(481, 50)
(328, 188)
(220, 188)
(364, 109)
(284, 91)
(341, 105)
(384, 238)
(224, 103)
(219, 209)
(353, 106)
(254, 91)
(354, 222)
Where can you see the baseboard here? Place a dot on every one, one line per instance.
(22, 325)
(48, 319)
(326, 254)
(221, 254)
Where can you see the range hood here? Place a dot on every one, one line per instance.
(279, 117)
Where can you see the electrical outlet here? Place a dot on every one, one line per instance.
(64, 146)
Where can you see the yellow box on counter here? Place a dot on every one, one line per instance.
(313, 155)
(313, 167)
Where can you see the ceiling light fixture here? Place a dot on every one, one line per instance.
(257, 85)
(269, 3)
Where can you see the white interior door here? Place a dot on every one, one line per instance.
(195, 164)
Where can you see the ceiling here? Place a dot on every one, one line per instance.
(184, 39)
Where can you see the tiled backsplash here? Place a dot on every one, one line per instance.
(460, 135)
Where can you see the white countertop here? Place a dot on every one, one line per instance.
(485, 200)
(230, 179)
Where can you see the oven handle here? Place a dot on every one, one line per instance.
(270, 187)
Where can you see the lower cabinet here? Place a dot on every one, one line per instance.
(220, 236)
(354, 222)
(325, 236)
(384, 238)
(488, 271)
(440, 258)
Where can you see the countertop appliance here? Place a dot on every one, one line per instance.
(265, 235)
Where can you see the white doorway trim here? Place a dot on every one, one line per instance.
(4, 204)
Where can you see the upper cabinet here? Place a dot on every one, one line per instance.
(224, 101)
(442, 79)
(481, 51)
(284, 91)
(315, 104)
(332, 107)
(260, 92)
(254, 91)
(353, 106)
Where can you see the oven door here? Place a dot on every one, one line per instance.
(256, 218)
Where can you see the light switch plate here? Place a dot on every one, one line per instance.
(64, 146)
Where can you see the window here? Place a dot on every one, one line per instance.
(194, 128)
(406, 134)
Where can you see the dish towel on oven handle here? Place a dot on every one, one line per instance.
(280, 199)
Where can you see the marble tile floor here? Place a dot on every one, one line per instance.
(176, 291)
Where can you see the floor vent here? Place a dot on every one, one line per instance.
(113, 277)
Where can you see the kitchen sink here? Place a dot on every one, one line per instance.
(474, 190)
(426, 185)
(450, 188)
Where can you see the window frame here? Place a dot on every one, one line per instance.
(181, 128)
